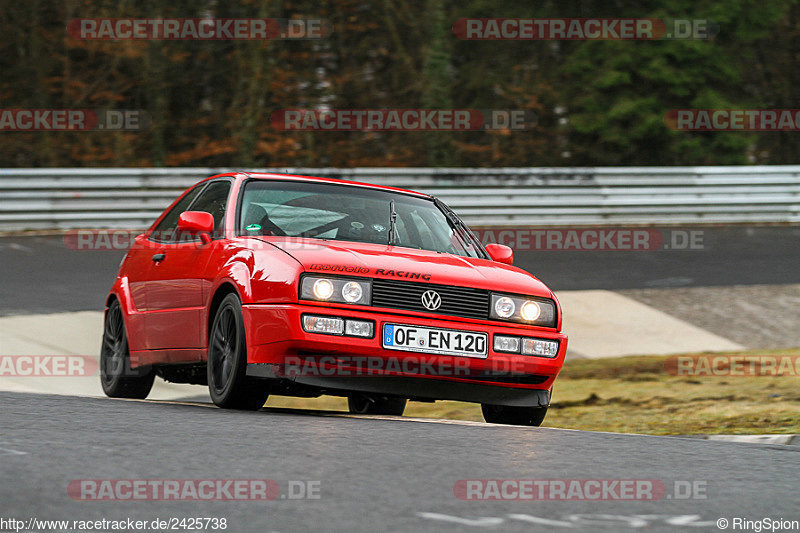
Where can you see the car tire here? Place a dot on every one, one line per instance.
(228, 383)
(518, 416)
(360, 404)
(117, 377)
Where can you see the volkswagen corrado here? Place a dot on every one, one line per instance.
(258, 284)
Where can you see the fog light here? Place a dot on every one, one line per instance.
(539, 347)
(358, 328)
(323, 289)
(323, 324)
(352, 291)
(506, 344)
(504, 307)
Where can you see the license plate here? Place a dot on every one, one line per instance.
(435, 340)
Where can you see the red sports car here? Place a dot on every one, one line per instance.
(259, 284)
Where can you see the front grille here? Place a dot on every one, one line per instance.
(456, 301)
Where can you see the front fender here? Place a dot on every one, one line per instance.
(262, 275)
(259, 273)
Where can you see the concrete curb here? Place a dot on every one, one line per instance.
(626, 327)
(791, 440)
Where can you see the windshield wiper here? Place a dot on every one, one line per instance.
(392, 222)
(461, 229)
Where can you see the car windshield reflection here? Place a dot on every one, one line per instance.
(354, 214)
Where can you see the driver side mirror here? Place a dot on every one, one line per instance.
(197, 223)
(500, 253)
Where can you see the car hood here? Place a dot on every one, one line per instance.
(396, 262)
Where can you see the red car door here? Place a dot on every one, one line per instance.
(175, 297)
(175, 284)
(138, 266)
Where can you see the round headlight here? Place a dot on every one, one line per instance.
(352, 292)
(530, 311)
(323, 289)
(504, 307)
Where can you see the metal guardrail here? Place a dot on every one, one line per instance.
(133, 197)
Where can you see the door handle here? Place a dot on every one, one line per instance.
(158, 258)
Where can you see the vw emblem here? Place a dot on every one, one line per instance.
(431, 300)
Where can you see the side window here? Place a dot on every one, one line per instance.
(165, 231)
(214, 200)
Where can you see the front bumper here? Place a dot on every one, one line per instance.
(278, 347)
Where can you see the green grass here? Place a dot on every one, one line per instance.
(636, 395)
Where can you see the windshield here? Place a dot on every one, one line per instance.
(356, 214)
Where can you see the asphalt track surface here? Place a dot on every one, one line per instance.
(373, 473)
(42, 275)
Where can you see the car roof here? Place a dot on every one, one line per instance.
(316, 179)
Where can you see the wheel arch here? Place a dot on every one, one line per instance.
(133, 318)
(111, 298)
(121, 291)
(223, 289)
